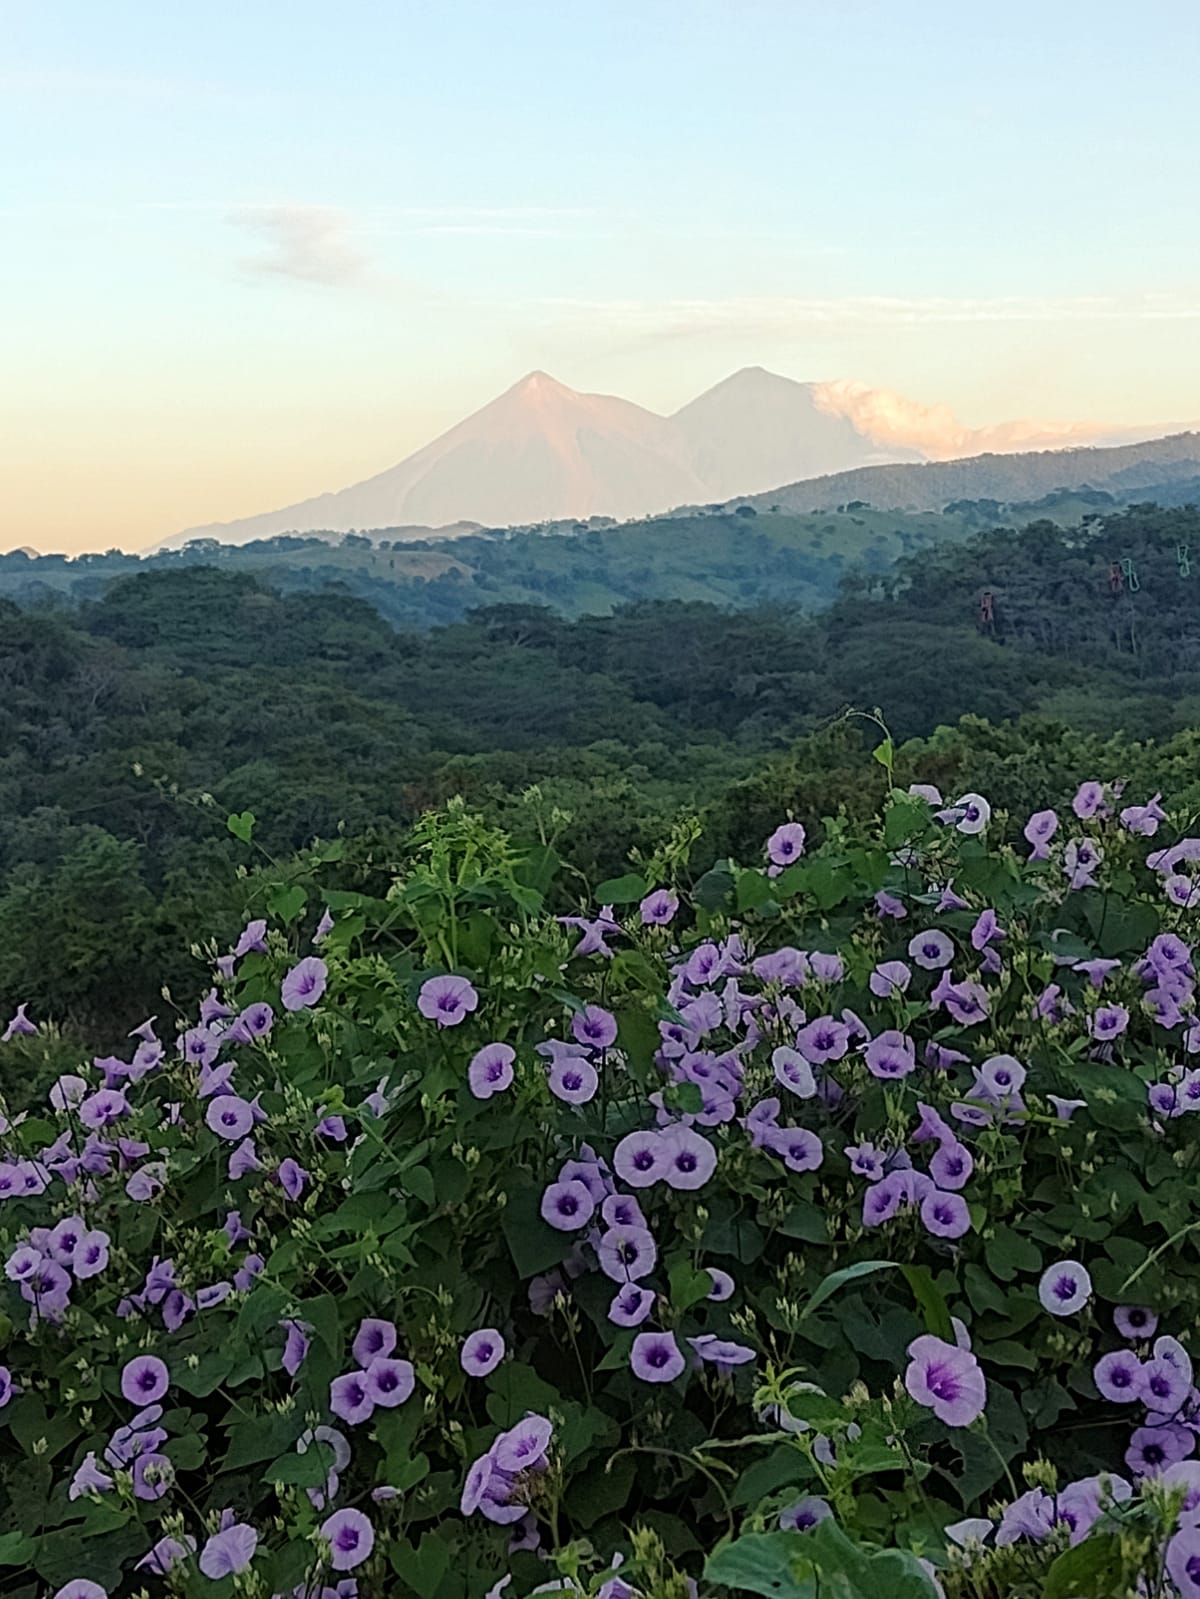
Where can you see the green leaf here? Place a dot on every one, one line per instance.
(688, 1286)
(16, 1548)
(767, 1563)
(241, 826)
(893, 1572)
(1094, 1569)
(307, 1470)
(714, 891)
(625, 890)
(828, 1286)
(287, 903)
(929, 1298)
(805, 1221)
(534, 1246)
(424, 1567)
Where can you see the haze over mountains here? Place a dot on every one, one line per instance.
(542, 452)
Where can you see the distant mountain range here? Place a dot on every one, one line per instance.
(542, 452)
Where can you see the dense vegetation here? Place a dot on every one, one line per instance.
(131, 727)
(819, 1229)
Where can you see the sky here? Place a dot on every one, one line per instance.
(252, 250)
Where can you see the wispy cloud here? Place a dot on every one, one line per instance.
(308, 242)
(680, 319)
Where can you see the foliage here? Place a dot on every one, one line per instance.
(805, 1194)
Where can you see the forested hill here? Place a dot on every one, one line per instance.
(1123, 469)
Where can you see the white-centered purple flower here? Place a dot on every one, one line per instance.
(574, 1080)
(932, 950)
(640, 1159)
(799, 1148)
(786, 844)
(690, 1158)
(229, 1116)
(567, 1206)
(722, 1285)
(1065, 1288)
(793, 1072)
(145, 1379)
(447, 1000)
(1108, 1022)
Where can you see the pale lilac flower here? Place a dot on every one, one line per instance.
(640, 1159)
(81, 1588)
(1089, 800)
(722, 1353)
(951, 1165)
(1151, 1449)
(229, 1116)
(627, 1254)
(1039, 830)
(229, 1551)
(945, 1379)
(827, 968)
(866, 1160)
(89, 1479)
(350, 1538)
(1135, 1321)
(890, 979)
(523, 1447)
(945, 1215)
(166, 1554)
(890, 1056)
(690, 1159)
(253, 937)
(799, 1148)
(20, 1024)
(574, 1080)
(656, 1357)
(722, 1285)
(986, 930)
(631, 1305)
(148, 1182)
(324, 927)
(67, 1091)
(786, 844)
(594, 932)
(491, 1070)
(1065, 1288)
(447, 1000)
(1183, 1562)
(375, 1338)
(618, 1210)
(244, 1159)
(595, 1027)
(482, 1352)
(293, 1178)
(1118, 1376)
(390, 1382)
(304, 984)
(973, 813)
(153, 1475)
(888, 905)
(804, 1514)
(658, 908)
(103, 1108)
(1001, 1077)
(931, 950)
(296, 1348)
(823, 1040)
(144, 1379)
(1164, 1387)
(567, 1206)
(1065, 1108)
(1081, 859)
(1031, 1516)
(1144, 819)
(350, 1397)
(1108, 1022)
(794, 1072)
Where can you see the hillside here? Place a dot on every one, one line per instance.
(1011, 479)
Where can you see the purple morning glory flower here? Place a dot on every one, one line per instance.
(1065, 1288)
(640, 1159)
(890, 1056)
(166, 1554)
(229, 1116)
(1088, 800)
(722, 1353)
(799, 1148)
(890, 979)
(390, 1382)
(350, 1537)
(618, 1210)
(567, 1206)
(244, 1159)
(595, 1027)
(295, 1350)
(374, 1338)
(324, 927)
(81, 1588)
(786, 844)
(573, 1080)
(1164, 1387)
(256, 1021)
(1135, 1321)
(658, 908)
(627, 1253)
(1109, 1022)
(1039, 830)
(145, 1379)
(631, 1305)
(793, 1072)
(945, 1215)
(89, 1479)
(973, 813)
(823, 1040)
(153, 1475)
(951, 1165)
(945, 1379)
(482, 1352)
(292, 1177)
(447, 1000)
(722, 1285)
(19, 1025)
(1151, 1449)
(350, 1397)
(931, 950)
(229, 1551)
(804, 1514)
(690, 1158)
(656, 1357)
(253, 938)
(1081, 858)
(524, 1446)
(304, 984)
(103, 1108)
(491, 1070)
(1183, 1562)
(1118, 1376)
(827, 968)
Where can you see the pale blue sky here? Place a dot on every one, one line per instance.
(253, 250)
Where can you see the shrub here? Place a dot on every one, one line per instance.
(831, 1219)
